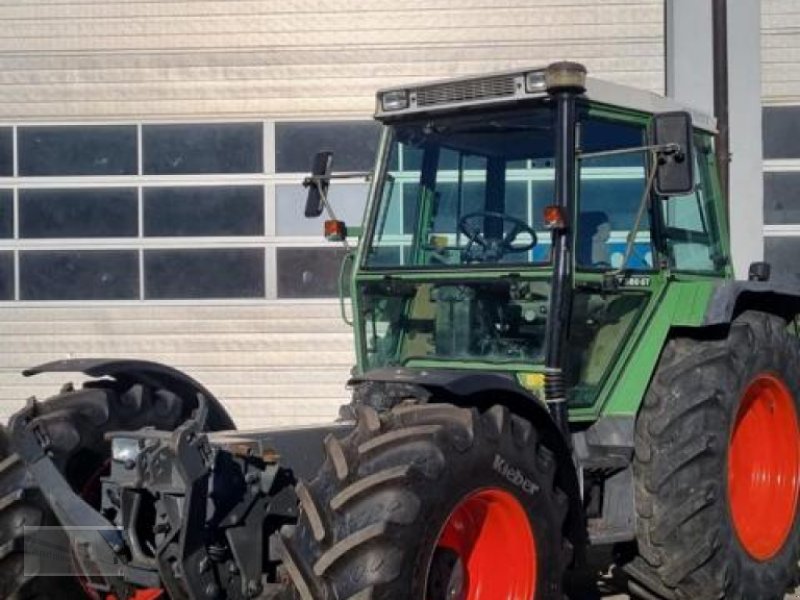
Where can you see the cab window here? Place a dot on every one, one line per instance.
(610, 190)
(691, 236)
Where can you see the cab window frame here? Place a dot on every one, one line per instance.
(387, 161)
(641, 120)
(707, 190)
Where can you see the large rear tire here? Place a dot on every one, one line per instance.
(76, 422)
(717, 467)
(422, 502)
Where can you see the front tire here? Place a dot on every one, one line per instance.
(422, 501)
(717, 467)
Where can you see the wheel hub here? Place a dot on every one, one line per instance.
(764, 467)
(486, 551)
(447, 579)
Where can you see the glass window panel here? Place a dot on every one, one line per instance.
(79, 275)
(6, 152)
(610, 197)
(691, 234)
(6, 275)
(347, 199)
(77, 150)
(781, 253)
(781, 198)
(353, 144)
(781, 132)
(610, 190)
(203, 148)
(213, 273)
(309, 272)
(78, 213)
(601, 323)
(204, 211)
(6, 214)
(597, 135)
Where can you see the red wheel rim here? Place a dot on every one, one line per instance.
(493, 538)
(764, 467)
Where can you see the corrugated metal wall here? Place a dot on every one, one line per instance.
(780, 51)
(276, 363)
(94, 59)
(100, 60)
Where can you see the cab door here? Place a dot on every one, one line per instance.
(609, 197)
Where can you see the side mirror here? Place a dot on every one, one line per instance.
(318, 184)
(673, 133)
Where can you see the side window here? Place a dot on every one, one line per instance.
(610, 189)
(690, 230)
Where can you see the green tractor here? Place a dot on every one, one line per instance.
(553, 356)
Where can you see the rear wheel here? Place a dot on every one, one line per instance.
(431, 502)
(718, 466)
(76, 422)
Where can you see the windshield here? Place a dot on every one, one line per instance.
(466, 192)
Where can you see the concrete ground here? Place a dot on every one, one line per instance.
(794, 596)
(601, 583)
(616, 595)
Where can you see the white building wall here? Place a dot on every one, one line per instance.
(780, 90)
(269, 361)
(276, 363)
(780, 52)
(98, 59)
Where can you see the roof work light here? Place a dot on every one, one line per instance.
(394, 100)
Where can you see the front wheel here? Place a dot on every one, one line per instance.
(431, 502)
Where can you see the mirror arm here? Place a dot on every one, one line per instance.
(645, 202)
(318, 180)
(662, 149)
(352, 175)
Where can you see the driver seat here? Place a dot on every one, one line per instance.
(588, 225)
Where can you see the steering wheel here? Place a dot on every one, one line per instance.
(482, 249)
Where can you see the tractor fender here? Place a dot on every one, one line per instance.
(732, 298)
(482, 390)
(130, 371)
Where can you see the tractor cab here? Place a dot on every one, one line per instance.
(524, 223)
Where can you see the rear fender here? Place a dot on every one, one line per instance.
(130, 372)
(735, 297)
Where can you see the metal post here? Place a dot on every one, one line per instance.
(561, 292)
(721, 103)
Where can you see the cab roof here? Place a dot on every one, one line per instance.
(512, 87)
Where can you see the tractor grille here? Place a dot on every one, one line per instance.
(466, 91)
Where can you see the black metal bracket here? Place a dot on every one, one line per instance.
(97, 545)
